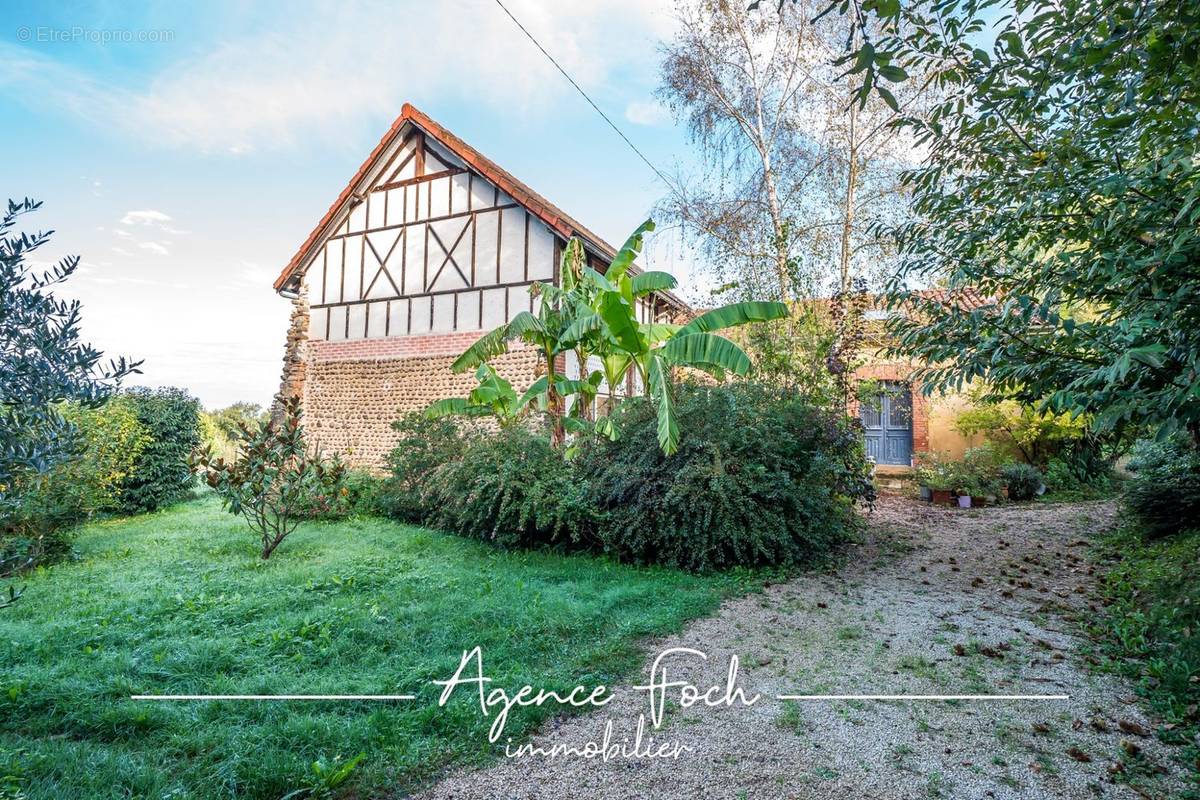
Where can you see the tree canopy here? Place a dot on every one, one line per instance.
(1061, 184)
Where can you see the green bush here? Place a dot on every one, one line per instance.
(1023, 481)
(424, 445)
(1150, 627)
(508, 487)
(112, 440)
(107, 443)
(761, 478)
(357, 495)
(161, 475)
(1165, 494)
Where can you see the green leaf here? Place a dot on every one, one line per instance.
(580, 328)
(620, 321)
(706, 350)
(888, 97)
(735, 314)
(628, 252)
(653, 281)
(455, 406)
(535, 390)
(484, 349)
(664, 404)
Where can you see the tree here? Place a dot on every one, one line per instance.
(795, 176)
(1063, 187)
(43, 363)
(229, 420)
(274, 474)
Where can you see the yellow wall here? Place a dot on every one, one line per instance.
(943, 438)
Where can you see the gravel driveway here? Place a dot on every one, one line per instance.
(935, 601)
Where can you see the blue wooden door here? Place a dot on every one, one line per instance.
(887, 421)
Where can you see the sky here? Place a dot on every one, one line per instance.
(185, 151)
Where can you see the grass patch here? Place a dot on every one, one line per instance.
(179, 602)
(1150, 629)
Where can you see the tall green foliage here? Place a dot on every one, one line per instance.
(597, 315)
(162, 475)
(1062, 182)
(43, 362)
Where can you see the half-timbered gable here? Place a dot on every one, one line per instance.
(429, 245)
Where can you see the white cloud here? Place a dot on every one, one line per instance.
(647, 112)
(154, 247)
(316, 74)
(147, 217)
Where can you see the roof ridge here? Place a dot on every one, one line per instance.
(555, 218)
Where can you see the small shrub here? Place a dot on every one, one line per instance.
(1165, 494)
(979, 472)
(936, 471)
(1023, 481)
(161, 475)
(761, 478)
(273, 477)
(357, 495)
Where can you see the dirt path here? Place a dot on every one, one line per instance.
(936, 601)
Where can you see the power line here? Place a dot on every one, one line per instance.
(591, 102)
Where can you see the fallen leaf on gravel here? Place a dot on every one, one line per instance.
(822, 605)
(1040, 727)
(1077, 724)
(1042, 643)
(1130, 747)
(1078, 755)
(959, 650)
(1099, 724)
(1135, 728)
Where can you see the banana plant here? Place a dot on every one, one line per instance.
(654, 349)
(494, 396)
(544, 332)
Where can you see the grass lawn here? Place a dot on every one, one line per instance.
(179, 602)
(1150, 629)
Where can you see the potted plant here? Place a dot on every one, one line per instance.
(935, 476)
(964, 496)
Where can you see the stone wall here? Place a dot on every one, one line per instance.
(291, 380)
(352, 390)
(350, 401)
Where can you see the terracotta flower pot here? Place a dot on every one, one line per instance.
(942, 496)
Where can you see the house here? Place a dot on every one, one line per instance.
(900, 422)
(430, 245)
